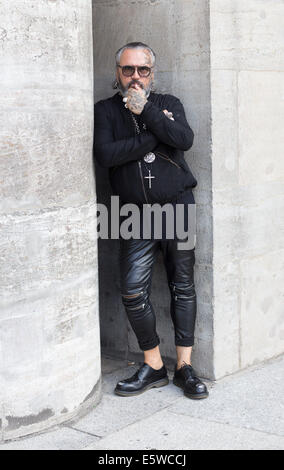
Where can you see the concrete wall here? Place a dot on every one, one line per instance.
(49, 328)
(247, 90)
(183, 70)
(224, 59)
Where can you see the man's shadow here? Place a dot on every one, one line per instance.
(113, 322)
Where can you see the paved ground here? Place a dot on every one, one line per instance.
(243, 411)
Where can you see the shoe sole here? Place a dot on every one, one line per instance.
(159, 383)
(189, 395)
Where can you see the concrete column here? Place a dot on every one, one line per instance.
(247, 91)
(49, 327)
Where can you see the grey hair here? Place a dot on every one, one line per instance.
(135, 45)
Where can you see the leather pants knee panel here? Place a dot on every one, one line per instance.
(137, 258)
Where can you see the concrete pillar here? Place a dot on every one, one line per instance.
(224, 60)
(49, 327)
(247, 90)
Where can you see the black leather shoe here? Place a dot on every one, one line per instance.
(144, 378)
(192, 386)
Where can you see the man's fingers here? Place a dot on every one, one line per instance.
(168, 114)
(133, 91)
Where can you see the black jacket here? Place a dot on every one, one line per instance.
(117, 147)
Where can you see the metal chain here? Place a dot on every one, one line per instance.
(137, 128)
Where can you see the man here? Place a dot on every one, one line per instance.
(140, 136)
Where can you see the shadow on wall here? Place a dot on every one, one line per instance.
(113, 320)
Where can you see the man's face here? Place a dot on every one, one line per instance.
(135, 57)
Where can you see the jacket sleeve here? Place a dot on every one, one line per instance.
(177, 133)
(110, 152)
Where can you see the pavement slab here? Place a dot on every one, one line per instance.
(251, 399)
(57, 439)
(115, 412)
(243, 411)
(170, 431)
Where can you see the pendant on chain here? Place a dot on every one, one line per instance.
(149, 178)
(149, 157)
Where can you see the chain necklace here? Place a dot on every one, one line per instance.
(137, 128)
(149, 157)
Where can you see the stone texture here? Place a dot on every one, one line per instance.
(183, 70)
(262, 303)
(249, 399)
(248, 35)
(225, 62)
(243, 411)
(261, 139)
(115, 412)
(49, 325)
(196, 434)
(58, 439)
(246, 74)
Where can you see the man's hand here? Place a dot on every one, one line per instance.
(136, 99)
(168, 114)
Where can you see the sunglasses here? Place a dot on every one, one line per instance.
(129, 70)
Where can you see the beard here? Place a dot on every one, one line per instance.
(124, 89)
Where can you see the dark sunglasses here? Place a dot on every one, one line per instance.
(129, 70)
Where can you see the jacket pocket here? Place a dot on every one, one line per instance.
(190, 180)
(166, 157)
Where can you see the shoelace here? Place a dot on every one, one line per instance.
(187, 371)
(190, 376)
(186, 364)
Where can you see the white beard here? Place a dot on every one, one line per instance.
(124, 91)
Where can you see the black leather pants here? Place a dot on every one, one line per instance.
(137, 258)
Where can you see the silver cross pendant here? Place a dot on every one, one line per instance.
(149, 177)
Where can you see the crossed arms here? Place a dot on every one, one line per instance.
(176, 133)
